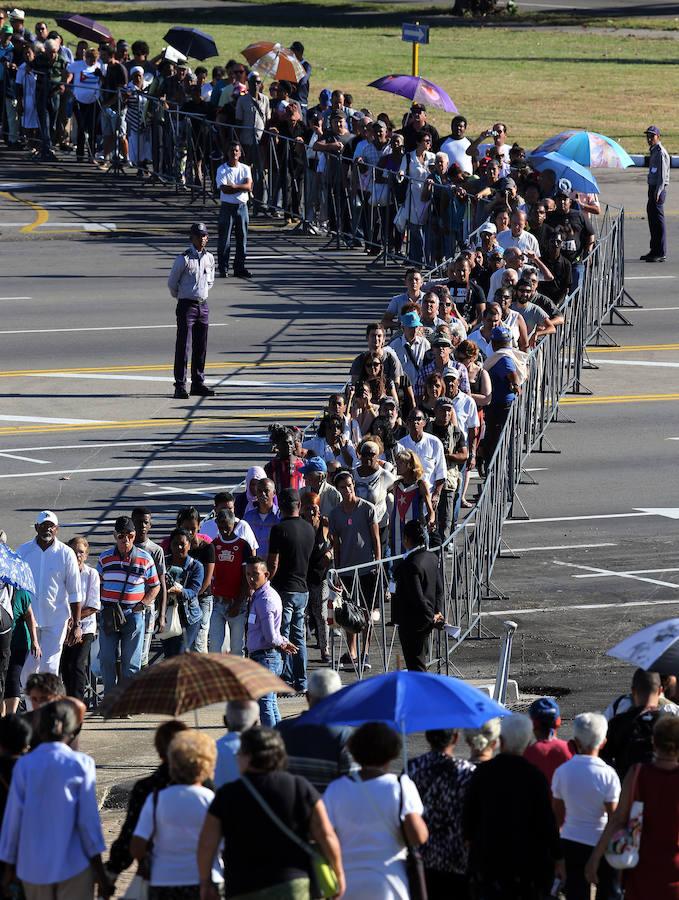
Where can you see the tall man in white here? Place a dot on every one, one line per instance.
(234, 180)
(57, 593)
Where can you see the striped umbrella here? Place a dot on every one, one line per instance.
(274, 61)
(588, 148)
(190, 681)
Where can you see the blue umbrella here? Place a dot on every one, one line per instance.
(579, 178)
(587, 148)
(408, 701)
(15, 571)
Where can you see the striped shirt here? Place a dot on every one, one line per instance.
(139, 569)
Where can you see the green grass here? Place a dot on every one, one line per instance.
(539, 82)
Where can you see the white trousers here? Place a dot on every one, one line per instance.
(51, 639)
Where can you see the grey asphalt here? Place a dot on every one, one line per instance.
(279, 344)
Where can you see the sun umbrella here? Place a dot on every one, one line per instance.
(655, 648)
(587, 148)
(15, 571)
(274, 60)
(191, 681)
(417, 89)
(192, 42)
(578, 177)
(408, 701)
(86, 29)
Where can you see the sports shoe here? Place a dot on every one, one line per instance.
(242, 273)
(181, 394)
(654, 259)
(201, 390)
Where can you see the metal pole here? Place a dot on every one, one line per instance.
(500, 691)
(416, 57)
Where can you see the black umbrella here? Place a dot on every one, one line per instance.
(192, 42)
(85, 28)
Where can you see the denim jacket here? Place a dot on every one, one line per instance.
(190, 576)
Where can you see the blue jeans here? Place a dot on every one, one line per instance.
(130, 639)
(200, 644)
(293, 628)
(182, 643)
(578, 275)
(269, 714)
(232, 217)
(221, 624)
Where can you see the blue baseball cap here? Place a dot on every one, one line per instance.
(410, 320)
(325, 96)
(500, 333)
(652, 129)
(546, 709)
(314, 464)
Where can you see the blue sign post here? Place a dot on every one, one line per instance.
(415, 34)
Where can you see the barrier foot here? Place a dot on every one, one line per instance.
(628, 300)
(607, 338)
(524, 514)
(550, 449)
(623, 320)
(526, 478)
(561, 419)
(579, 387)
(482, 632)
(510, 554)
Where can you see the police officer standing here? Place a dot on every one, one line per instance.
(658, 180)
(191, 278)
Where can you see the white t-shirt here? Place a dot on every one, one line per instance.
(89, 596)
(233, 175)
(466, 412)
(86, 85)
(180, 813)
(242, 530)
(585, 783)
(484, 149)
(429, 451)
(456, 151)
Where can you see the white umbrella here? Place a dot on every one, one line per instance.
(655, 648)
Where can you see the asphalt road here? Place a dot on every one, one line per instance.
(88, 426)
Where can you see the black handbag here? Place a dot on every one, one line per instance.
(417, 881)
(351, 617)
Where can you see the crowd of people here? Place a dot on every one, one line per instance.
(509, 811)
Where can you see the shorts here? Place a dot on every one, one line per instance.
(111, 121)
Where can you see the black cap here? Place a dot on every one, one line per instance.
(297, 45)
(198, 228)
(124, 525)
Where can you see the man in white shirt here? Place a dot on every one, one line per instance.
(517, 236)
(467, 421)
(57, 593)
(413, 293)
(234, 180)
(429, 450)
(455, 146)
(87, 75)
(410, 347)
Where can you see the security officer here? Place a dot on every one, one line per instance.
(658, 180)
(191, 278)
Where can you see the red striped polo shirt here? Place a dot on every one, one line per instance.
(139, 570)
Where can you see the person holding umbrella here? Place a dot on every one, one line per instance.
(234, 180)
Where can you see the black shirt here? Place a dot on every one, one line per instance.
(205, 554)
(411, 137)
(562, 270)
(575, 229)
(256, 853)
(293, 540)
(466, 299)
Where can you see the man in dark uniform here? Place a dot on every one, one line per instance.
(417, 598)
(658, 181)
(191, 278)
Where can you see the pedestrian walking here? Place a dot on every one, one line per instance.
(234, 180)
(658, 182)
(75, 658)
(190, 280)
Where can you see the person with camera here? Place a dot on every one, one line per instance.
(495, 148)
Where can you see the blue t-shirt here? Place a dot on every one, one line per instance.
(502, 394)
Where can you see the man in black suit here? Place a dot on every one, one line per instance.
(416, 602)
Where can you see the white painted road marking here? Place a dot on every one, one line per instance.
(653, 309)
(553, 609)
(564, 547)
(627, 515)
(42, 462)
(219, 381)
(46, 420)
(198, 442)
(99, 328)
(629, 572)
(655, 581)
(648, 278)
(651, 364)
(139, 468)
(16, 298)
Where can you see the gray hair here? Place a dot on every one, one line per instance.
(479, 738)
(323, 682)
(589, 730)
(51, 44)
(242, 714)
(443, 157)
(516, 733)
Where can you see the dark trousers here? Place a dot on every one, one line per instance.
(414, 645)
(87, 117)
(655, 210)
(74, 662)
(5, 646)
(446, 885)
(233, 218)
(496, 416)
(47, 107)
(192, 328)
(577, 887)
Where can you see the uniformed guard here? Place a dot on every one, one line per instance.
(658, 181)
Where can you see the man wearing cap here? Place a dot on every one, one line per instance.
(315, 473)
(455, 145)
(440, 361)
(301, 88)
(429, 450)
(21, 33)
(658, 182)
(56, 605)
(487, 238)
(517, 236)
(416, 126)
(190, 280)
(505, 384)
(130, 584)
(456, 452)
(548, 751)
(578, 236)
(410, 347)
(234, 180)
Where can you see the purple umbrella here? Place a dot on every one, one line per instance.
(85, 28)
(419, 90)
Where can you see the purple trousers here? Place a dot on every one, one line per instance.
(192, 327)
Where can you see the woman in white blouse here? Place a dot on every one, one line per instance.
(373, 814)
(416, 167)
(75, 657)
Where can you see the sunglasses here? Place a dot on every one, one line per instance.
(125, 535)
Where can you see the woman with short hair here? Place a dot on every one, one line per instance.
(171, 820)
(258, 817)
(374, 815)
(483, 741)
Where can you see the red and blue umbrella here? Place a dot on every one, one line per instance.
(417, 89)
(587, 148)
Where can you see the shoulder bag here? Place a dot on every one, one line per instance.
(414, 862)
(138, 889)
(623, 848)
(323, 877)
(112, 615)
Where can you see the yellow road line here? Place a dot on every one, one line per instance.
(41, 216)
(622, 398)
(633, 348)
(264, 364)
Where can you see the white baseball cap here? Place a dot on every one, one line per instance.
(488, 228)
(46, 516)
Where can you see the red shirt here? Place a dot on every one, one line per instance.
(285, 474)
(548, 755)
(230, 557)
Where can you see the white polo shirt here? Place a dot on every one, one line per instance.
(233, 175)
(429, 450)
(466, 412)
(525, 241)
(57, 581)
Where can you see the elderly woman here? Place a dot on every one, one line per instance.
(266, 820)
(171, 820)
(585, 792)
(75, 657)
(483, 742)
(656, 785)
(442, 782)
(373, 482)
(247, 499)
(374, 815)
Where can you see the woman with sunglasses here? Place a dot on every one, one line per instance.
(372, 374)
